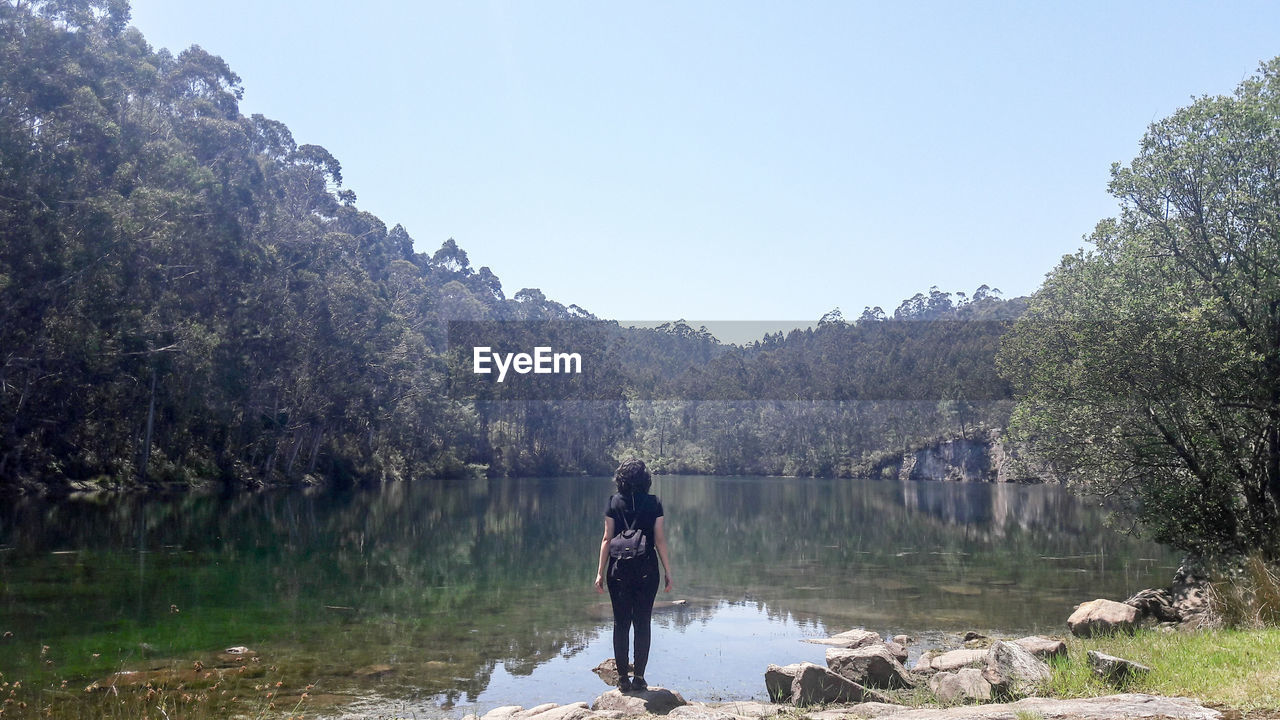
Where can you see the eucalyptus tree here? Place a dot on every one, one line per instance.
(1148, 368)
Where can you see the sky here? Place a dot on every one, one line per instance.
(742, 161)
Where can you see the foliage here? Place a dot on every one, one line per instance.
(1247, 594)
(1148, 369)
(189, 294)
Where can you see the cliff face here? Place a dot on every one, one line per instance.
(984, 457)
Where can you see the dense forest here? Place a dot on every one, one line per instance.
(189, 294)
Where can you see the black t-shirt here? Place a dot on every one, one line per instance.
(642, 511)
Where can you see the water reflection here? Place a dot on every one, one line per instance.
(466, 588)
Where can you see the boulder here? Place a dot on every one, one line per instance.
(1014, 672)
(1156, 605)
(964, 685)
(849, 639)
(956, 659)
(814, 685)
(1115, 670)
(778, 680)
(873, 666)
(607, 671)
(903, 640)
(1042, 647)
(897, 651)
(1100, 617)
(655, 700)
(1190, 593)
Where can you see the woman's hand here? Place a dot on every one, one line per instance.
(600, 584)
(668, 587)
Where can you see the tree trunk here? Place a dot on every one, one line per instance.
(151, 416)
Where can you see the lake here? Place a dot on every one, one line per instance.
(444, 598)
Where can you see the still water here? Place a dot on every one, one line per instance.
(445, 598)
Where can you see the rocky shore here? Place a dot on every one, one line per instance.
(865, 675)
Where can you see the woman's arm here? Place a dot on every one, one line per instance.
(660, 540)
(604, 553)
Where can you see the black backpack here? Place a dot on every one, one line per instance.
(630, 544)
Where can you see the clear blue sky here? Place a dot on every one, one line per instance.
(733, 160)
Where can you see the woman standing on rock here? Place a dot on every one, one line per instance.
(634, 541)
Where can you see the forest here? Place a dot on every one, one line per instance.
(190, 295)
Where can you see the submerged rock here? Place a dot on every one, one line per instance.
(848, 639)
(373, 671)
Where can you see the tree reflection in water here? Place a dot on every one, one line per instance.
(451, 581)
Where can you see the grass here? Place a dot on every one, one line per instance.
(1234, 668)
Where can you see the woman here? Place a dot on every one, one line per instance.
(633, 581)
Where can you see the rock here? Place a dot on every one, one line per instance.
(742, 708)
(502, 713)
(164, 677)
(956, 659)
(655, 700)
(903, 640)
(522, 714)
(607, 671)
(703, 711)
(815, 685)
(1014, 672)
(373, 671)
(572, 711)
(964, 685)
(1156, 605)
(849, 639)
(1101, 617)
(1190, 595)
(778, 680)
(1115, 670)
(873, 666)
(236, 655)
(897, 651)
(861, 710)
(1042, 647)
(1110, 707)
(924, 663)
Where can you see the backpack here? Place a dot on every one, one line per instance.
(630, 544)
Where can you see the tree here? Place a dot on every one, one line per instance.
(1148, 369)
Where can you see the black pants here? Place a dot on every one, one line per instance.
(632, 595)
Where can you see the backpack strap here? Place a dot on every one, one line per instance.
(635, 511)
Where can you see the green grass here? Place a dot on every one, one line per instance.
(1234, 668)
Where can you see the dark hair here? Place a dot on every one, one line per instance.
(632, 477)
